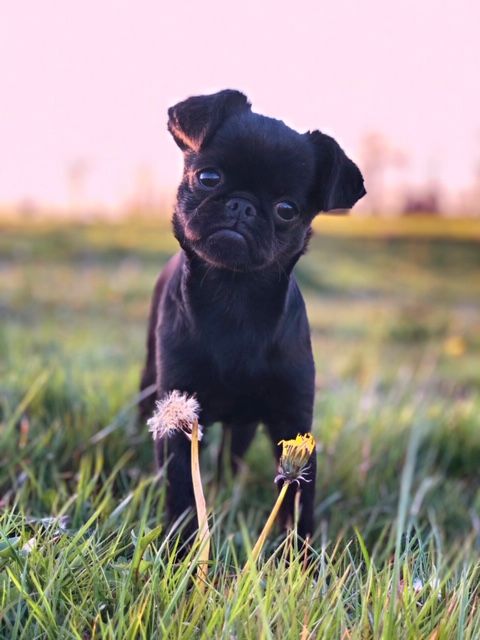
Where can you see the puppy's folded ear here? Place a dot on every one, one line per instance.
(338, 181)
(193, 121)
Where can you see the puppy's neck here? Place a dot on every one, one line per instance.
(255, 296)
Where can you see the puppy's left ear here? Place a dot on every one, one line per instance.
(193, 121)
(338, 181)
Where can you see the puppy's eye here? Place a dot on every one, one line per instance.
(286, 211)
(209, 178)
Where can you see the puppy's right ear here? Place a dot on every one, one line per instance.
(193, 121)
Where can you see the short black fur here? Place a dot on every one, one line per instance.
(228, 321)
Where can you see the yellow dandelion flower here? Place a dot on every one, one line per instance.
(295, 458)
(292, 466)
(454, 346)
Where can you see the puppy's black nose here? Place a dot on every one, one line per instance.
(240, 208)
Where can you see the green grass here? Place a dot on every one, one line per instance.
(396, 333)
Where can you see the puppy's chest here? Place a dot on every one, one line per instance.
(236, 353)
(229, 374)
(227, 363)
(237, 377)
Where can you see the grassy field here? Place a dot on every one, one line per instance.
(396, 332)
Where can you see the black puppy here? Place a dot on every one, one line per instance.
(228, 321)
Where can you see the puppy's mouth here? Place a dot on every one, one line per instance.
(227, 236)
(227, 248)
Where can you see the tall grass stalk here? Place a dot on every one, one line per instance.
(402, 516)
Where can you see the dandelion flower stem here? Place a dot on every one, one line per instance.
(270, 521)
(203, 530)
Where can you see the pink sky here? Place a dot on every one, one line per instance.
(92, 79)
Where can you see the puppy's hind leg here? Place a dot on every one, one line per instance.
(149, 373)
(148, 393)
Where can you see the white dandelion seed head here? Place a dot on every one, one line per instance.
(175, 412)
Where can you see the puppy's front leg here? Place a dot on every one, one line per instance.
(174, 451)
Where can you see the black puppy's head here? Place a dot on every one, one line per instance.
(251, 185)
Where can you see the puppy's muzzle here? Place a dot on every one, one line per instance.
(240, 209)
